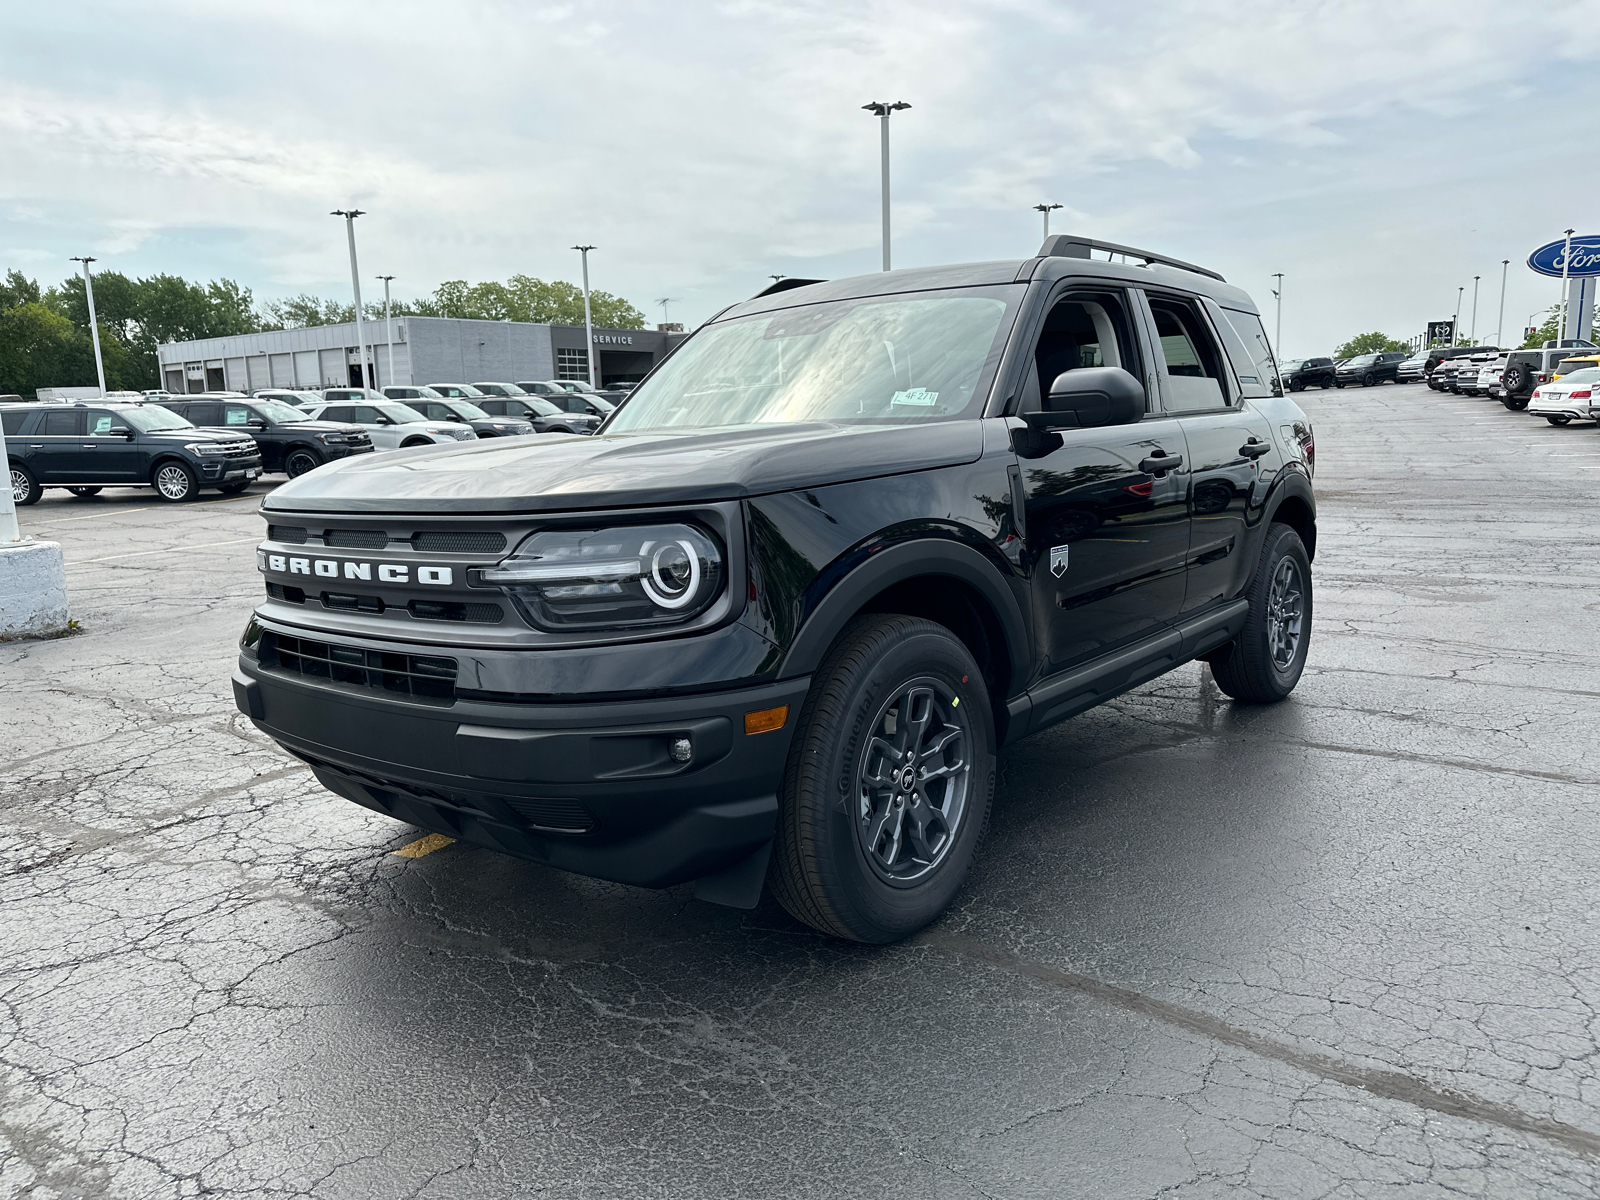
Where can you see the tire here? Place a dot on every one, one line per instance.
(233, 489)
(1337, 384)
(83, 493)
(25, 488)
(1326, 386)
(301, 460)
(1515, 379)
(174, 481)
(1559, 420)
(1515, 403)
(1263, 664)
(558, 429)
(410, 442)
(863, 875)
(1297, 385)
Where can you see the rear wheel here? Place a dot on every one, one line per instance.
(301, 459)
(886, 793)
(1559, 420)
(1263, 664)
(174, 481)
(1515, 403)
(25, 488)
(83, 493)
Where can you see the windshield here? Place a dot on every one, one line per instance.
(427, 393)
(470, 411)
(1585, 375)
(601, 403)
(277, 410)
(400, 414)
(1294, 364)
(541, 406)
(154, 417)
(910, 357)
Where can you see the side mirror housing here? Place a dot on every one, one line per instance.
(1090, 397)
(256, 423)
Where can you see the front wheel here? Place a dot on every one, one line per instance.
(83, 493)
(301, 460)
(1367, 381)
(886, 793)
(1297, 385)
(1559, 420)
(1263, 664)
(25, 488)
(175, 482)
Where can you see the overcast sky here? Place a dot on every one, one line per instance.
(1379, 154)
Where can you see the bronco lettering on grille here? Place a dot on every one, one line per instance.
(329, 568)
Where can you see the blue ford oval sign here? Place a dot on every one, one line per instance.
(1547, 260)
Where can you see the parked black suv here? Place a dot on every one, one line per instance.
(1370, 369)
(289, 440)
(842, 545)
(1527, 369)
(106, 443)
(1297, 376)
(462, 412)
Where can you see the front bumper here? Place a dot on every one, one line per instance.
(222, 469)
(337, 452)
(586, 787)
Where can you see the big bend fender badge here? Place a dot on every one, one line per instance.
(1058, 560)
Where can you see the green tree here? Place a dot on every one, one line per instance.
(40, 347)
(1369, 343)
(524, 298)
(17, 289)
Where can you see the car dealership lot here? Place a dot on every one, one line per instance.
(1325, 948)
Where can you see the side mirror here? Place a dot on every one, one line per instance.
(123, 431)
(1089, 397)
(256, 423)
(385, 421)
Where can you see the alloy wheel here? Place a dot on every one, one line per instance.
(912, 782)
(1285, 606)
(19, 487)
(173, 482)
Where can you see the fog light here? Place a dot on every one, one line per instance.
(680, 750)
(766, 720)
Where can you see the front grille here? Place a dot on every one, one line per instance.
(358, 539)
(286, 533)
(448, 610)
(292, 595)
(240, 450)
(459, 543)
(425, 678)
(348, 603)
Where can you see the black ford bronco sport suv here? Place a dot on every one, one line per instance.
(774, 621)
(106, 443)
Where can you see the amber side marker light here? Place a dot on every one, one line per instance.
(766, 720)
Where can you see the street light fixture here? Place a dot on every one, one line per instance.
(588, 318)
(1277, 332)
(1500, 321)
(94, 325)
(881, 109)
(350, 216)
(388, 325)
(1046, 209)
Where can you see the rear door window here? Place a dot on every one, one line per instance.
(63, 424)
(336, 412)
(1190, 361)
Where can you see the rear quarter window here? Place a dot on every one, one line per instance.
(12, 422)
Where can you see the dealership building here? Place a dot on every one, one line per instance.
(410, 350)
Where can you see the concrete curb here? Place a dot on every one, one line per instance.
(33, 590)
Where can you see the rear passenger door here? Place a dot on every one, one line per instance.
(1230, 443)
(55, 449)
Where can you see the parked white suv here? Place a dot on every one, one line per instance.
(390, 425)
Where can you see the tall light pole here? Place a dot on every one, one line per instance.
(1455, 321)
(1046, 209)
(388, 325)
(1500, 321)
(350, 216)
(1566, 261)
(94, 325)
(881, 109)
(1473, 335)
(588, 317)
(1277, 333)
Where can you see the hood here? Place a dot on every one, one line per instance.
(320, 426)
(198, 434)
(553, 473)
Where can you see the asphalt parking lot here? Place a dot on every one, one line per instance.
(1337, 947)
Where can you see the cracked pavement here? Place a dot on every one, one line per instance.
(1340, 947)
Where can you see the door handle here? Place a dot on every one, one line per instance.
(1161, 464)
(1254, 448)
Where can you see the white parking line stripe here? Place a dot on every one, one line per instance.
(82, 562)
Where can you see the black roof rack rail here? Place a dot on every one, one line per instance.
(783, 285)
(1070, 245)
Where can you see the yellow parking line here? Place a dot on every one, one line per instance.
(169, 550)
(427, 845)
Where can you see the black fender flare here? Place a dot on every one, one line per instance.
(1293, 485)
(895, 564)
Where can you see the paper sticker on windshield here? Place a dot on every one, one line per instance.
(918, 396)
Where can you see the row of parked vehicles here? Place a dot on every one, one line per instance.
(178, 445)
(1554, 381)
